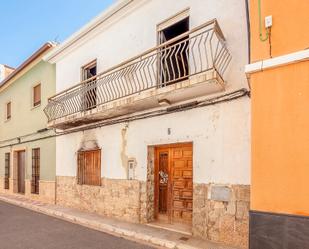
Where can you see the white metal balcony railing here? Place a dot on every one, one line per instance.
(194, 52)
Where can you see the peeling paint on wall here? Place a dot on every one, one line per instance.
(89, 141)
(123, 151)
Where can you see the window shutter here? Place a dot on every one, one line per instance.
(80, 167)
(8, 110)
(89, 167)
(37, 95)
(97, 167)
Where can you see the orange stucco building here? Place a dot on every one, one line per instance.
(279, 79)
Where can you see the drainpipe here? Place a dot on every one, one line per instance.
(248, 30)
(260, 25)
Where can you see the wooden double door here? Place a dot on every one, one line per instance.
(174, 183)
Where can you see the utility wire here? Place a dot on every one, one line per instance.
(169, 110)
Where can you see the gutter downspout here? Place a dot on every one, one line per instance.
(249, 42)
(248, 30)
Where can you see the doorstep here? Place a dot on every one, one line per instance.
(140, 232)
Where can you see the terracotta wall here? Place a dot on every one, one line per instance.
(280, 139)
(290, 30)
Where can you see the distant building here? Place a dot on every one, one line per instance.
(27, 147)
(5, 71)
(153, 116)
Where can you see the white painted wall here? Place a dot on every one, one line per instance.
(220, 136)
(132, 32)
(220, 133)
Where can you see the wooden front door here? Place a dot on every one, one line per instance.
(21, 171)
(174, 182)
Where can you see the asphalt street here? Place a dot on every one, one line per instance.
(24, 229)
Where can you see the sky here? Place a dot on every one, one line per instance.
(25, 25)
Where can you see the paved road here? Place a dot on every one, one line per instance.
(24, 229)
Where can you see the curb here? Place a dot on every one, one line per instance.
(114, 230)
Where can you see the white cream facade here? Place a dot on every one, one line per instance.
(219, 133)
(133, 32)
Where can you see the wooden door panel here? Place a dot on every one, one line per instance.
(186, 194)
(175, 196)
(177, 173)
(182, 183)
(187, 174)
(179, 164)
(178, 184)
(190, 205)
(190, 185)
(163, 174)
(177, 153)
(186, 215)
(187, 152)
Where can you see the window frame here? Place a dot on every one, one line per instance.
(89, 99)
(7, 165)
(8, 117)
(33, 103)
(161, 27)
(86, 67)
(35, 171)
(81, 168)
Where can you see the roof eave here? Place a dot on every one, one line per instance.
(109, 12)
(32, 58)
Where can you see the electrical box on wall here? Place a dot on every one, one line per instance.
(131, 169)
(268, 21)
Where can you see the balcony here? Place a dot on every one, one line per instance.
(185, 67)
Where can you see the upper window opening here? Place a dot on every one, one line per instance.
(8, 110)
(174, 64)
(89, 70)
(90, 97)
(37, 95)
(175, 30)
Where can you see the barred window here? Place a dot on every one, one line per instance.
(7, 171)
(35, 171)
(89, 167)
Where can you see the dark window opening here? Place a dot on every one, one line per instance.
(7, 171)
(173, 62)
(35, 171)
(90, 94)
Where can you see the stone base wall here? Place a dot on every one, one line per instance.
(221, 213)
(122, 199)
(2, 190)
(46, 192)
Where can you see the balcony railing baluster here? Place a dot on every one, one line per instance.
(194, 52)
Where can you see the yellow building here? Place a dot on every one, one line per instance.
(27, 147)
(279, 80)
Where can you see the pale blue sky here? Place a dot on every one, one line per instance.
(26, 24)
